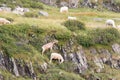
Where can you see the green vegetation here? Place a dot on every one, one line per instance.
(31, 14)
(23, 3)
(98, 36)
(74, 25)
(26, 34)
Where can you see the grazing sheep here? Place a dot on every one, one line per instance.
(56, 56)
(4, 21)
(64, 9)
(111, 23)
(72, 18)
(48, 46)
(118, 26)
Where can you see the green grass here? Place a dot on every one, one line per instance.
(42, 26)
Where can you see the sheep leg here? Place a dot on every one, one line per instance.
(59, 61)
(50, 60)
(51, 48)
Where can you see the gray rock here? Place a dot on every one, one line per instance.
(116, 48)
(5, 9)
(98, 63)
(43, 13)
(15, 69)
(44, 67)
(1, 77)
(93, 51)
(79, 60)
(98, 19)
(105, 53)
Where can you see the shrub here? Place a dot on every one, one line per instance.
(36, 5)
(98, 36)
(31, 14)
(63, 36)
(85, 40)
(105, 36)
(74, 25)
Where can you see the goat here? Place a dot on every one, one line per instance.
(48, 46)
(56, 56)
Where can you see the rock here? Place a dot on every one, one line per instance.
(98, 19)
(104, 54)
(20, 66)
(44, 67)
(43, 13)
(2, 61)
(32, 71)
(79, 60)
(5, 9)
(1, 77)
(15, 69)
(20, 10)
(63, 3)
(65, 56)
(93, 51)
(116, 48)
(98, 63)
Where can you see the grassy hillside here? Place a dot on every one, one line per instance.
(17, 40)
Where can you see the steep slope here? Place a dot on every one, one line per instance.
(90, 54)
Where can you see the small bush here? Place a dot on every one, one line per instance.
(63, 36)
(31, 14)
(105, 36)
(36, 5)
(85, 40)
(74, 25)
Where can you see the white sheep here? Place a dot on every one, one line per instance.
(64, 9)
(4, 21)
(56, 56)
(72, 18)
(48, 46)
(111, 23)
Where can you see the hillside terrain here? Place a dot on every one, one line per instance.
(91, 50)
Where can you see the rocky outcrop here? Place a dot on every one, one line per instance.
(1, 77)
(71, 53)
(16, 66)
(97, 4)
(116, 48)
(99, 63)
(78, 58)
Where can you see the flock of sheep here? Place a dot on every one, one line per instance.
(109, 22)
(50, 44)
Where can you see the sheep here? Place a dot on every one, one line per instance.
(72, 18)
(48, 46)
(56, 56)
(64, 9)
(4, 21)
(111, 23)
